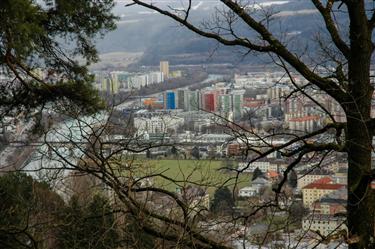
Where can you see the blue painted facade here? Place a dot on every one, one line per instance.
(171, 101)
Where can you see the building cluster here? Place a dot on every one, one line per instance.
(188, 116)
(192, 119)
(114, 82)
(298, 112)
(326, 200)
(156, 122)
(219, 98)
(319, 186)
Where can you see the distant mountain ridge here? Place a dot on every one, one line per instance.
(141, 30)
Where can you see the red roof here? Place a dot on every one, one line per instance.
(324, 183)
(324, 186)
(324, 180)
(272, 174)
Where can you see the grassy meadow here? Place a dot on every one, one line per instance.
(180, 173)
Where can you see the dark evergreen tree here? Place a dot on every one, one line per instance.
(47, 36)
(27, 211)
(292, 179)
(15, 198)
(257, 173)
(174, 151)
(195, 152)
(88, 226)
(223, 201)
(148, 154)
(133, 235)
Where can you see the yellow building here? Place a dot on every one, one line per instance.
(164, 68)
(307, 177)
(314, 191)
(114, 83)
(110, 85)
(175, 74)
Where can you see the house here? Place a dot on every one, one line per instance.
(247, 192)
(256, 186)
(264, 165)
(273, 176)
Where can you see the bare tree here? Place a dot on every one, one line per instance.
(174, 209)
(348, 84)
(176, 217)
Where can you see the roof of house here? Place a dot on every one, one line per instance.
(324, 183)
(260, 180)
(320, 217)
(272, 174)
(247, 188)
(324, 180)
(324, 186)
(333, 201)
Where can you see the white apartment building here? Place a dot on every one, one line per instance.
(157, 124)
(213, 138)
(305, 123)
(137, 81)
(325, 224)
(264, 166)
(154, 78)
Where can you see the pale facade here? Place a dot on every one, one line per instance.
(264, 166)
(325, 224)
(314, 192)
(247, 192)
(157, 124)
(305, 179)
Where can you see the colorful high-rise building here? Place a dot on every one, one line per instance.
(194, 101)
(209, 102)
(181, 99)
(225, 103)
(169, 100)
(164, 68)
(108, 83)
(114, 83)
(237, 103)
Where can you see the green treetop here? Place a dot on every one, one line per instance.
(50, 36)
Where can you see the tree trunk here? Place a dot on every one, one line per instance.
(361, 201)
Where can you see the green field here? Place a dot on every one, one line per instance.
(206, 173)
